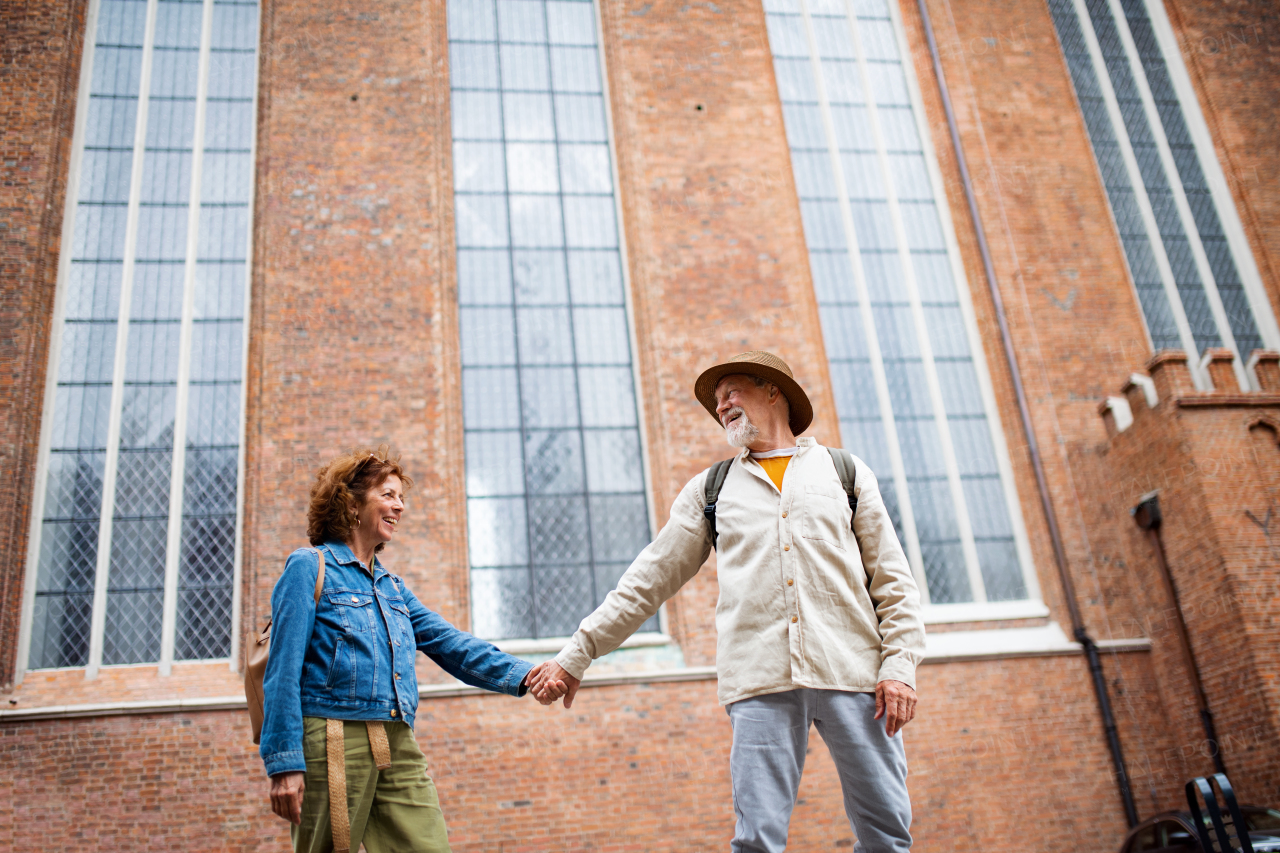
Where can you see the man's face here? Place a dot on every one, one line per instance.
(741, 405)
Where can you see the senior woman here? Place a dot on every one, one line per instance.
(340, 678)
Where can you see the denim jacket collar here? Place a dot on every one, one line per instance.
(343, 554)
(341, 551)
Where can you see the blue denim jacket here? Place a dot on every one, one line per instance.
(351, 657)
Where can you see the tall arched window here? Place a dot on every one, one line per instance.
(556, 506)
(134, 541)
(912, 393)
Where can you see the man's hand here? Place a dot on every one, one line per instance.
(286, 795)
(896, 702)
(548, 681)
(544, 688)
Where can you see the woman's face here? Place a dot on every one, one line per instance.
(382, 508)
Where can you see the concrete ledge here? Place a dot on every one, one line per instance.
(115, 709)
(951, 647)
(1043, 641)
(986, 611)
(552, 645)
(660, 676)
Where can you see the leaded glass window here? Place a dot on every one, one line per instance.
(1194, 276)
(556, 505)
(134, 545)
(909, 391)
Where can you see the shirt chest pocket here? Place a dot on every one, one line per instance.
(824, 515)
(353, 610)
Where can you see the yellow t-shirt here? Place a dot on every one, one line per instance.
(776, 468)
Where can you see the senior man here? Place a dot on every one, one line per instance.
(818, 621)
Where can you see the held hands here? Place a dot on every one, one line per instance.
(548, 681)
(896, 702)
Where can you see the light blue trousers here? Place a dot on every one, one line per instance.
(770, 737)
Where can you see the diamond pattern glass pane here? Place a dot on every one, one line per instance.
(1199, 194)
(910, 295)
(161, 277)
(1137, 245)
(552, 443)
(1127, 70)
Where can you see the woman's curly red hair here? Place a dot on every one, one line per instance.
(340, 488)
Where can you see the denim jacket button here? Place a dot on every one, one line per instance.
(393, 712)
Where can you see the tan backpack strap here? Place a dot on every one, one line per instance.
(339, 818)
(378, 744)
(319, 573)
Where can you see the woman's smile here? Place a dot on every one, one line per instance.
(383, 507)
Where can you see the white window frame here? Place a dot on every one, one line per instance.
(979, 609)
(174, 531)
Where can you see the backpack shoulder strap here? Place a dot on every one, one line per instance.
(715, 479)
(319, 574)
(848, 471)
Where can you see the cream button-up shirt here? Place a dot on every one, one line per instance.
(804, 601)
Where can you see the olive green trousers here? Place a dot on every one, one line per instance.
(392, 811)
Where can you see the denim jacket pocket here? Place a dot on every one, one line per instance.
(342, 668)
(353, 609)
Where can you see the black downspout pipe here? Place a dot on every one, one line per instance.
(1033, 448)
(1149, 518)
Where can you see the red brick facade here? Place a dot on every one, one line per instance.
(353, 340)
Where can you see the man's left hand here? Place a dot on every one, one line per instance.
(896, 702)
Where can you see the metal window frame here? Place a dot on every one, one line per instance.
(966, 611)
(915, 556)
(986, 389)
(1143, 201)
(628, 298)
(628, 308)
(40, 482)
(1178, 191)
(177, 468)
(237, 569)
(1219, 189)
(1202, 143)
(977, 584)
(106, 516)
(115, 414)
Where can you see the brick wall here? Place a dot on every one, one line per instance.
(1214, 459)
(353, 279)
(628, 768)
(354, 340)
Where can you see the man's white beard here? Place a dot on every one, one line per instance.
(741, 433)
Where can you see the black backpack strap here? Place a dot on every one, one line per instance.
(848, 471)
(715, 479)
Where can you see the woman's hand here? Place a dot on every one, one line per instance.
(548, 682)
(286, 795)
(546, 690)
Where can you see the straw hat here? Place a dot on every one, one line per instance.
(768, 367)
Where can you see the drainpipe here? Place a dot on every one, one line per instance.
(1059, 552)
(1148, 516)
